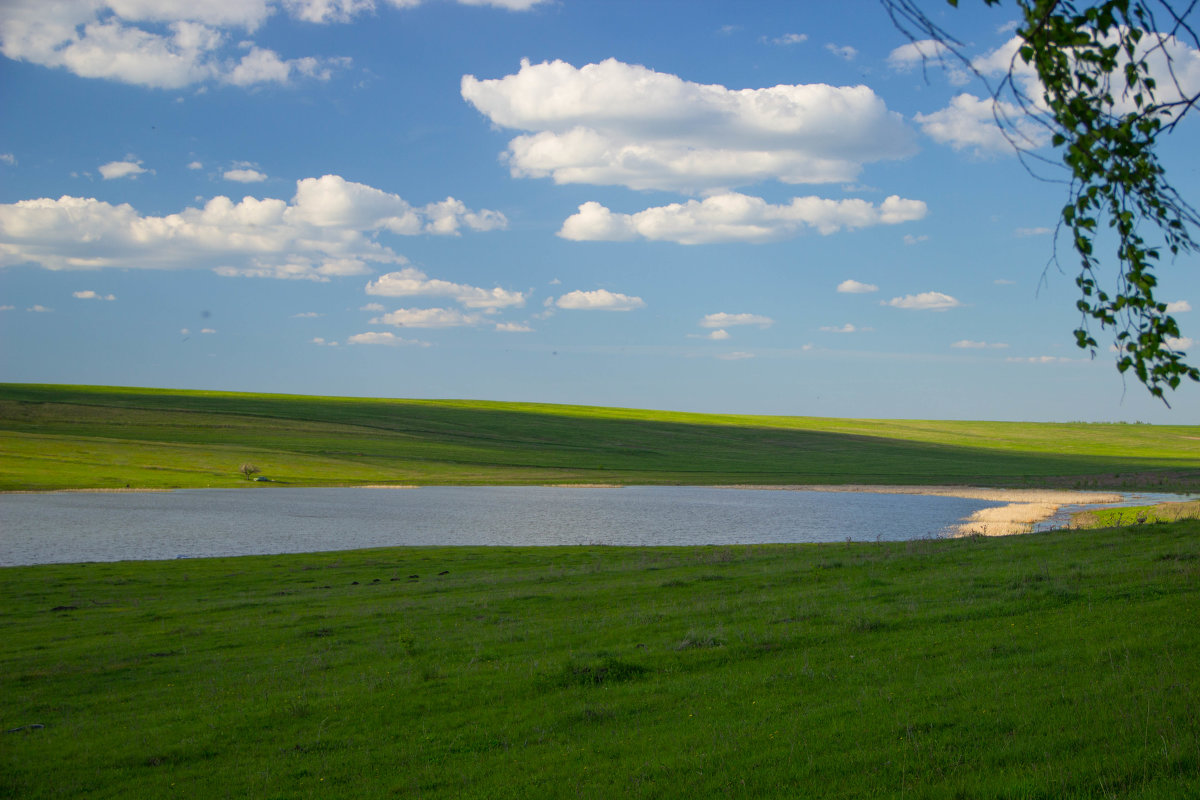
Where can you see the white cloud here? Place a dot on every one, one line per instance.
(320, 341)
(921, 53)
(372, 307)
(970, 122)
(722, 319)
(207, 330)
(384, 337)
(734, 217)
(847, 328)
(1178, 307)
(122, 169)
(152, 43)
(88, 294)
(195, 165)
(1043, 360)
(411, 282)
(718, 335)
(790, 39)
(845, 52)
(327, 230)
(244, 175)
(8, 158)
(851, 286)
(1173, 64)
(737, 356)
(39, 309)
(909, 239)
(313, 314)
(967, 344)
(925, 301)
(1004, 282)
(1179, 342)
(622, 124)
(599, 300)
(1026, 232)
(513, 327)
(427, 318)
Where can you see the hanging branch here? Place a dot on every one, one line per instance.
(1082, 53)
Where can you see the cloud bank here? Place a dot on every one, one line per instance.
(327, 229)
(734, 217)
(618, 124)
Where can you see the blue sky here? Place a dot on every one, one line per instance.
(764, 208)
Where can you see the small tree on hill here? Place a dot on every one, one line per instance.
(248, 470)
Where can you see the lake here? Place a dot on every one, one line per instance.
(192, 523)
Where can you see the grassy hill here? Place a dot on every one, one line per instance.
(55, 437)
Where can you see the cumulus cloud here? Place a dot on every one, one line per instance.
(39, 309)
(244, 175)
(312, 314)
(925, 301)
(195, 165)
(909, 239)
(736, 356)
(851, 286)
(513, 327)
(969, 122)
(1179, 342)
(153, 43)
(1026, 232)
(1178, 306)
(921, 53)
(845, 52)
(622, 124)
(790, 39)
(847, 328)
(1042, 360)
(411, 282)
(734, 217)
(381, 337)
(328, 229)
(428, 318)
(722, 319)
(88, 294)
(321, 342)
(599, 300)
(122, 169)
(8, 158)
(718, 335)
(967, 344)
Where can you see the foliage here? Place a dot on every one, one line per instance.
(247, 469)
(1105, 111)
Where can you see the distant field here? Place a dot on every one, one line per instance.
(57, 437)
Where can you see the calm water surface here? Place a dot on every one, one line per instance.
(69, 527)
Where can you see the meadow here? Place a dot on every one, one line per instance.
(1054, 665)
(59, 437)
(1057, 665)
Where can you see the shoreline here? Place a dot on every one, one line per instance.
(1023, 508)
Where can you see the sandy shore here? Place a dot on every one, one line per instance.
(1025, 507)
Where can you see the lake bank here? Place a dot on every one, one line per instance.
(1023, 508)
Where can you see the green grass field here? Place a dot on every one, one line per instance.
(57, 437)
(1060, 665)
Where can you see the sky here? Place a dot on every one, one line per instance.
(756, 208)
